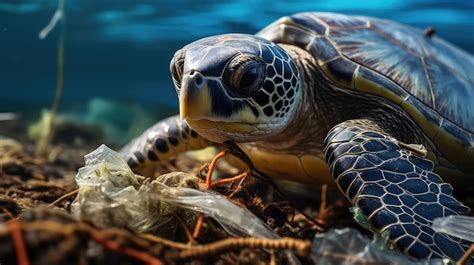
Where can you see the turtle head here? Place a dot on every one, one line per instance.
(236, 87)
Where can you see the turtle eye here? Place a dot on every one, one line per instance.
(250, 76)
(243, 75)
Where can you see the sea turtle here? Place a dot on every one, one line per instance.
(378, 108)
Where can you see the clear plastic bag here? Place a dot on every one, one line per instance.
(110, 194)
(456, 225)
(234, 219)
(349, 246)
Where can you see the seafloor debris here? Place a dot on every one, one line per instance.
(48, 236)
(349, 246)
(42, 236)
(456, 225)
(110, 194)
(38, 228)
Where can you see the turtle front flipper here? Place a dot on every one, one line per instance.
(394, 189)
(161, 142)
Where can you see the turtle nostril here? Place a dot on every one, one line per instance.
(199, 81)
(197, 78)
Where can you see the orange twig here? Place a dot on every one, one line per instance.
(20, 249)
(241, 205)
(324, 210)
(164, 241)
(198, 227)
(65, 196)
(212, 167)
(324, 192)
(229, 180)
(466, 255)
(8, 213)
(186, 229)
(237, 189)
(138, 255)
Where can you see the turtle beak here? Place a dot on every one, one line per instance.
(194, 99)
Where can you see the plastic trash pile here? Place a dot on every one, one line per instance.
(110, 194)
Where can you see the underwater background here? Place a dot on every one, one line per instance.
(117, 53)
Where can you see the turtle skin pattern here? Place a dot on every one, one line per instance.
(161, 142)
(396, 190)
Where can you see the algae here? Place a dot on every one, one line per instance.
(48, 130)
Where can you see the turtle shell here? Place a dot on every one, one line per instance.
(432, 80)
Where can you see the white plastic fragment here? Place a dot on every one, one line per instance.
(456, 225)
(234, 219)
(110, 194)
(58, 15)
(349, 246)
(105, 167)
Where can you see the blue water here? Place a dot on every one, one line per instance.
(120, 50)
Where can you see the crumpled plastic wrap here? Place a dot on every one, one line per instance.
(349, 246)
(456, 225)
(110, 194)
(234, 219)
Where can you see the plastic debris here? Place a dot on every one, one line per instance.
(58, 15)
(456, 225)
(234, 219)
(349, 246)
(110, 194)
